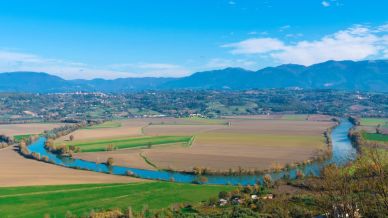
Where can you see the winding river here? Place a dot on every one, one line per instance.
(343, 152)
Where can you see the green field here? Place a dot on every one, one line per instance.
(18, 138)
(108, 124)
(375, 137)
(374, 122)
(36, 201)
(101, 145)
(295, 117)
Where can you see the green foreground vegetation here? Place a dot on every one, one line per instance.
(36, 201)
(103, 144)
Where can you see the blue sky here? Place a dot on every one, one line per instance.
(110, 39)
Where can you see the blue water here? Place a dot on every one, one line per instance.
(343, 152)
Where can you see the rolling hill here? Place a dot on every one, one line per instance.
(343, 75)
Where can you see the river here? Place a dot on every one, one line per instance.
(343, 152)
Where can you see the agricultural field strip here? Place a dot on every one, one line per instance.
(134, 140)
(125, 140)
(375, 137)
(18, 138)
(191, 121)
(100, 145)
(261, 137)
(61, 190)
(374, 122)
(108, 124)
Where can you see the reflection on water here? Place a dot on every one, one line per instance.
(343, 152)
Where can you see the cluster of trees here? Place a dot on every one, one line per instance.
(5, 141)
(64, 130)
(62, 150)
(23, 149)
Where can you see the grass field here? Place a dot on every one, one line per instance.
(108, 124)
(101, 145)
(375, 137)
(37, 201)
(374, 122)
(18, 138)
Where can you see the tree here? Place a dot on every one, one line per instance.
(110, 161)
(267, 179)
(110, 147)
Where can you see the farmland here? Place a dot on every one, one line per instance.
(108, 124)
(375, 137)
(134, 142)
(220, 144)
(16, 170)
(374, 122)
(372, 129)
(37, 201)
(26, 129)
(117, 129)
(252, 144)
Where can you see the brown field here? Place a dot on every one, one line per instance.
(253, 144)
(124, 157)
(258, 117)
(178, 130)
(24, 129)
(16, 170)
(312, 117)
(247, 143)
(320, 117)
(127, 128)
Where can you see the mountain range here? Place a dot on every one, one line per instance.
(342, 75)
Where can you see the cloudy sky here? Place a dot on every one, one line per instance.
(173, 38)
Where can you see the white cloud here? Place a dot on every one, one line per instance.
(284, 28)
(325, 4)
(383, 28)
(255, 45)
(18, 61)
(355, 43)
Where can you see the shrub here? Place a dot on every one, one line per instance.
(224, 195)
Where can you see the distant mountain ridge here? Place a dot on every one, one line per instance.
(343, 75)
